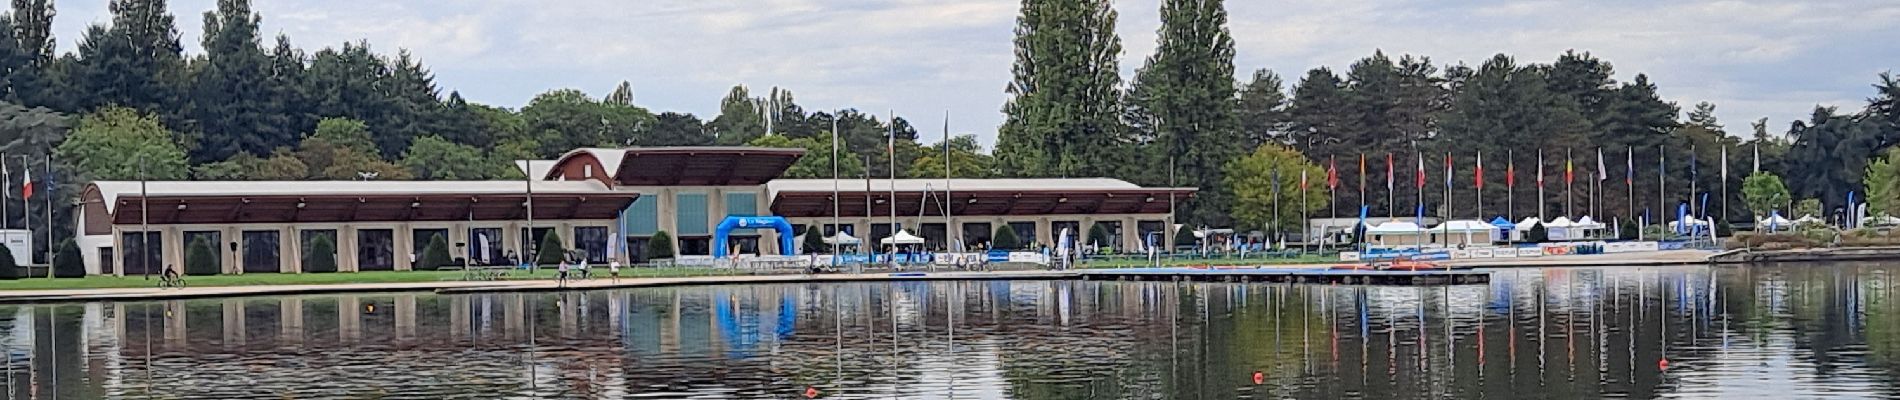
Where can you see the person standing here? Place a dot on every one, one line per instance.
(613, 270)
(560, 275)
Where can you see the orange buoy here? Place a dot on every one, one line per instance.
(1663, 364)
(811, 392)
(1259, 378)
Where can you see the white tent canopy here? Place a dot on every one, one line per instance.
(1808, 219)
(1464, 226)
(1880, 220)
(1395, 227)
(841, 238)
(1773, 220)
(1560, 222)
(1527, 223)
(1588, 223)
(903, 237)
(1690, 221)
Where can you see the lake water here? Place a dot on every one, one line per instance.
(1693, 332)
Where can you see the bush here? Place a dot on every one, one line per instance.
(1098, 236)
(201, 258)
(550, 252)
(67, 263)
(1185, 237)
(815, 241)
(320, 255)
(435, 255)
(9, 269)
(660, 246)
(1627, 229)
(1537, 234)
(1005, 239)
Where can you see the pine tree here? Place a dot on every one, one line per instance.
(1501, 107)
(1187, 89)
(1263, 110)
(675, 129)
(415, 105)
(1062, 118)
(286, 90)
(230, 87)
(135, 62)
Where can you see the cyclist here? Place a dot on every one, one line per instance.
(170, 277)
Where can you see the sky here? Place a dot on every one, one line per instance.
(925, 59)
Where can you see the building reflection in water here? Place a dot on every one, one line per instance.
(1561, 333)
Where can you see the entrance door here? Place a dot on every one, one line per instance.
(261, 252)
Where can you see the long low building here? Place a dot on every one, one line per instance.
(606, 204)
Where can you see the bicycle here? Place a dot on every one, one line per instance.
(171, 282)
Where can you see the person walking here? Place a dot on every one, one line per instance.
(560, 275)
(613, 270)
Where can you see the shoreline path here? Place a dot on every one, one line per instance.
(1662, 258)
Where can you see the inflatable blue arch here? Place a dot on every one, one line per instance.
(724, 231)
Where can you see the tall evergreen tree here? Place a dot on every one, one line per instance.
(1500, 107)
(740, 118)
(675, 129)
(135, 62)
(345, 83)
(622, 95)
(233, 103)
(287, 89)
(1263, 110)
(33, 27)
(416, 105)
(1062, 115)
(1187, 89)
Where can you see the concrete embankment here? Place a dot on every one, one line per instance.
(1889, 253)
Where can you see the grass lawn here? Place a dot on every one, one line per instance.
(1183, 262)
(105, 282)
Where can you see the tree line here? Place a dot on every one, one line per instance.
(1185, 119)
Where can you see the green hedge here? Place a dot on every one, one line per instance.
(201, 258)
(815, 241)
(321, 255)
(1185, 237)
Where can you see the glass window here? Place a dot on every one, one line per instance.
(592, 240)
(695, 246)
(309, 236)
(375, 250)
(742, 204)
(1152, 232)
(642, 218)
(976, 235)
(1025, 231)
(485, 247)
(1073, 228)
(637, 249)
(934, 235)
(533, 242)
(142, 257)
(210, 238)
(260, 252)
(691, 214)
(422, 237)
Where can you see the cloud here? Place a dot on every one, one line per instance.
(1754, 58)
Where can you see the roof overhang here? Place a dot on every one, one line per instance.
(681, 166)
(808, 204)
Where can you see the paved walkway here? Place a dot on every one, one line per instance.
(1677, 257)
(74, 295)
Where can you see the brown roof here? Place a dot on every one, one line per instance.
(984, 202)
(347, 201)
(680, 166)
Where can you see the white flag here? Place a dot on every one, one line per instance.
(1602, 172)
(1757, 157)
(1725, 165)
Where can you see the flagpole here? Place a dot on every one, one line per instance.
(1570, 172)
(1692, 184)
(949, 221)
(6, 196)
(1510, 185)
(1332, 196)
(1725, 215)
(1391, 188)
(836, 246)
(892, 147)
(1629, 179)
(1541, 203)
(1662, 183)
(1477, 178)
(49, 215)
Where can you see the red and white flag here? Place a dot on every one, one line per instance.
(26, 183)
(1478, 174)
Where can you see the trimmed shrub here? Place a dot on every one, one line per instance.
(815, 241)
(320, 255)
(435, 255)
(9, 269)
(67, 262)
(1185, 237)
(1629, 230)
(201, 258)
(1005, 239)
(1537, 234)
(550, 252)
(1098, 236)
(660, 246)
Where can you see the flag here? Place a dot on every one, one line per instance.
(1362, 177)
(1724, 165)
(26, 183)
(1421, 170)
(1478, 174)
(1510, 171)
(1302, 180)
(1570, 170)
(1448, 170)
(1602, 173)
(1692, 169)
(1332, 173)
(1629, 177)
(1757, 157)
(1388, 172)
